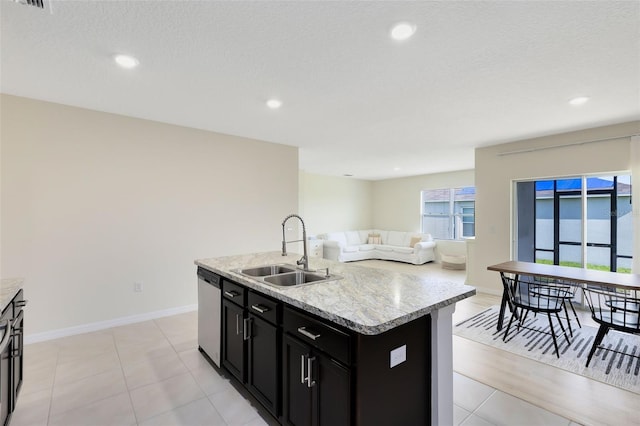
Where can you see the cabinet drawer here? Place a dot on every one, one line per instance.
(318, 333)
(264, 307)
(233, 292)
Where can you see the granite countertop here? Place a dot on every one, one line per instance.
(367, 300)
(9, 287)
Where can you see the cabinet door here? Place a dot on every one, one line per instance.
(5, 369)
(232, 339)
(17, 358)
(263, 363)
(333, 388)
(297, 403)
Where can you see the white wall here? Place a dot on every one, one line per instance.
(396, 202)
(495, 173)
(92, 202)
(329, 203)
(635, 195)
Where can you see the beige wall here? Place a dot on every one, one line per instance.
(396, 202)
(635, 195)
(329, 203)
(495, 173)
(93, 202)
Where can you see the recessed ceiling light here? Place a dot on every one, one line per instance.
(397, 169)
(402, 31)
(274, 103)
(126, 61)
(580, 100)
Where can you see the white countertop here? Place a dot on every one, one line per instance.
(367, 300)
(9, 287)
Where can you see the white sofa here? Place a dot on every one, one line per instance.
(347, 246)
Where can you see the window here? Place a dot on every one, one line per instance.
(468, 221)
(449, 214)
(581, 222)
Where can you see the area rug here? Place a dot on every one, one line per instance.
(617, 364)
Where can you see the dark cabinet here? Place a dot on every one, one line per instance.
(17, 346)
(251, 343)
(316, 386)
(6, 390)
(296, 394)
(333, 392)
(11, 356)
(308, 371)
(263, 362)
(233, 343)
(264, 350)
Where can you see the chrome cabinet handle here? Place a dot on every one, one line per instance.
(310, 381)
(302, 378)
(246, 328)
(305, 332)
(7, 335)
(16, 320)
(16, 333)
(21, 303)
(231, 294)
(260, 308)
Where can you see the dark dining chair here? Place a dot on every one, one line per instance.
(563, 290)
(612, 308)
(527, 295)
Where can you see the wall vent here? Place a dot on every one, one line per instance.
(40, 4)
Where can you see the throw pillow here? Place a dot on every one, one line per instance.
(374, 239)
(414, 241)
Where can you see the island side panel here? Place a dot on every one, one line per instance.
(393, 376)
(442, 366)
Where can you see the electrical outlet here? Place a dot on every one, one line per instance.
(397, 356)
(137, 286)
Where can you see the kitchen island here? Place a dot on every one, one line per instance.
(392, 335)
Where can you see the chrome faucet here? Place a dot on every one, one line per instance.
(304, 260)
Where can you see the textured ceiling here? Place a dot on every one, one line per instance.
(354, 101)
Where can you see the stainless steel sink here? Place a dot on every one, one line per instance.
(294, 278)
(280, 275)
(263, 271)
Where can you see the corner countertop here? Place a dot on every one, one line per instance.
(367, 300)
(9, 288)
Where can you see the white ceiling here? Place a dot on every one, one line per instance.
(354, 101)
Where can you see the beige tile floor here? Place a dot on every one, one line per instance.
(151, 373)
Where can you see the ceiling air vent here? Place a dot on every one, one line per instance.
(40, 4)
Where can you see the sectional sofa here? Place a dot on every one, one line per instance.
(348, 246)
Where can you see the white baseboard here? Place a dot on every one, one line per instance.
(486, 290)
(101, 325)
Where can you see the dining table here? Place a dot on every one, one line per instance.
(567, 274)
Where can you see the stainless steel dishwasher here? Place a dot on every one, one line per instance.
(209, 300)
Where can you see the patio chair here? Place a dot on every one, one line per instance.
(530, 296)
(612, 308)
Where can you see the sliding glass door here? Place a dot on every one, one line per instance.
(580, 222)
(567, 231)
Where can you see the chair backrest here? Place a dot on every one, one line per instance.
(569, 288)
(615, 307)
(528, 292)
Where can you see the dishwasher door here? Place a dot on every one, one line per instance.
(209, 301)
